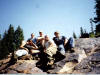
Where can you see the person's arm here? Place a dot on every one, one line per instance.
(32, 44)
(40, 38)
(65, 42)
(22, 46)
(35, 47)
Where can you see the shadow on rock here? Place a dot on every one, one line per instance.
(43, 63)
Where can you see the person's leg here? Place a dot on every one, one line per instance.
(70, 44)
(61, 49)
(62, 52)
(67, 46)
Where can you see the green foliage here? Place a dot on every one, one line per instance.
(97, 29)
(10, 38)
(91, 35)
(91, 22)
(97, 7)
(4, 48)
(10, 41)
(83, 34)
(18, 37)
(97, 18)
(74, 35)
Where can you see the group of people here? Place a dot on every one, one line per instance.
(45, 46)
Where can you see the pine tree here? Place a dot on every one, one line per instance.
(4, 48)
(97, 18)
(97, 30)
(82, 32)
(74, 35)
(10, 38)
(91, 22)
(11, 41)
(18, 37)
(91, 34)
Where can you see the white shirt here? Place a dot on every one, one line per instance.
(48, 43)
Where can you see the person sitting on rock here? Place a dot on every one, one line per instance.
(29, 46)
(62, 42)
(40, 41)
(69, 46)
(50, 49)
(34, 40)
(31, 43)
(22, 51)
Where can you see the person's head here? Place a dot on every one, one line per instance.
(40, 33)
(56, 34)
(32, 35)
(46, 37)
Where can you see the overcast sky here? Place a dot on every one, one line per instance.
(48, 16)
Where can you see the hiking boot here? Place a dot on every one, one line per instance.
(70, 50)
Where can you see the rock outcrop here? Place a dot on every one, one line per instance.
(22, 66)
(88, 44)
(85, 60)
(86, 55)
(90, 65)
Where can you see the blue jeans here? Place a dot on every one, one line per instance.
(70, 44)
(61, 49)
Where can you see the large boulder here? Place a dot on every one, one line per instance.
(91, 64)
(66, 65)
(87, 44)
(24, 67)
(82, 60)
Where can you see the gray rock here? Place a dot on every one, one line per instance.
(87, 53)
(12, 72)
(66, 65)
(95, 57)
(95, 71)
(91, 63)
(71, 57)
(87, 44)
(26, 65)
